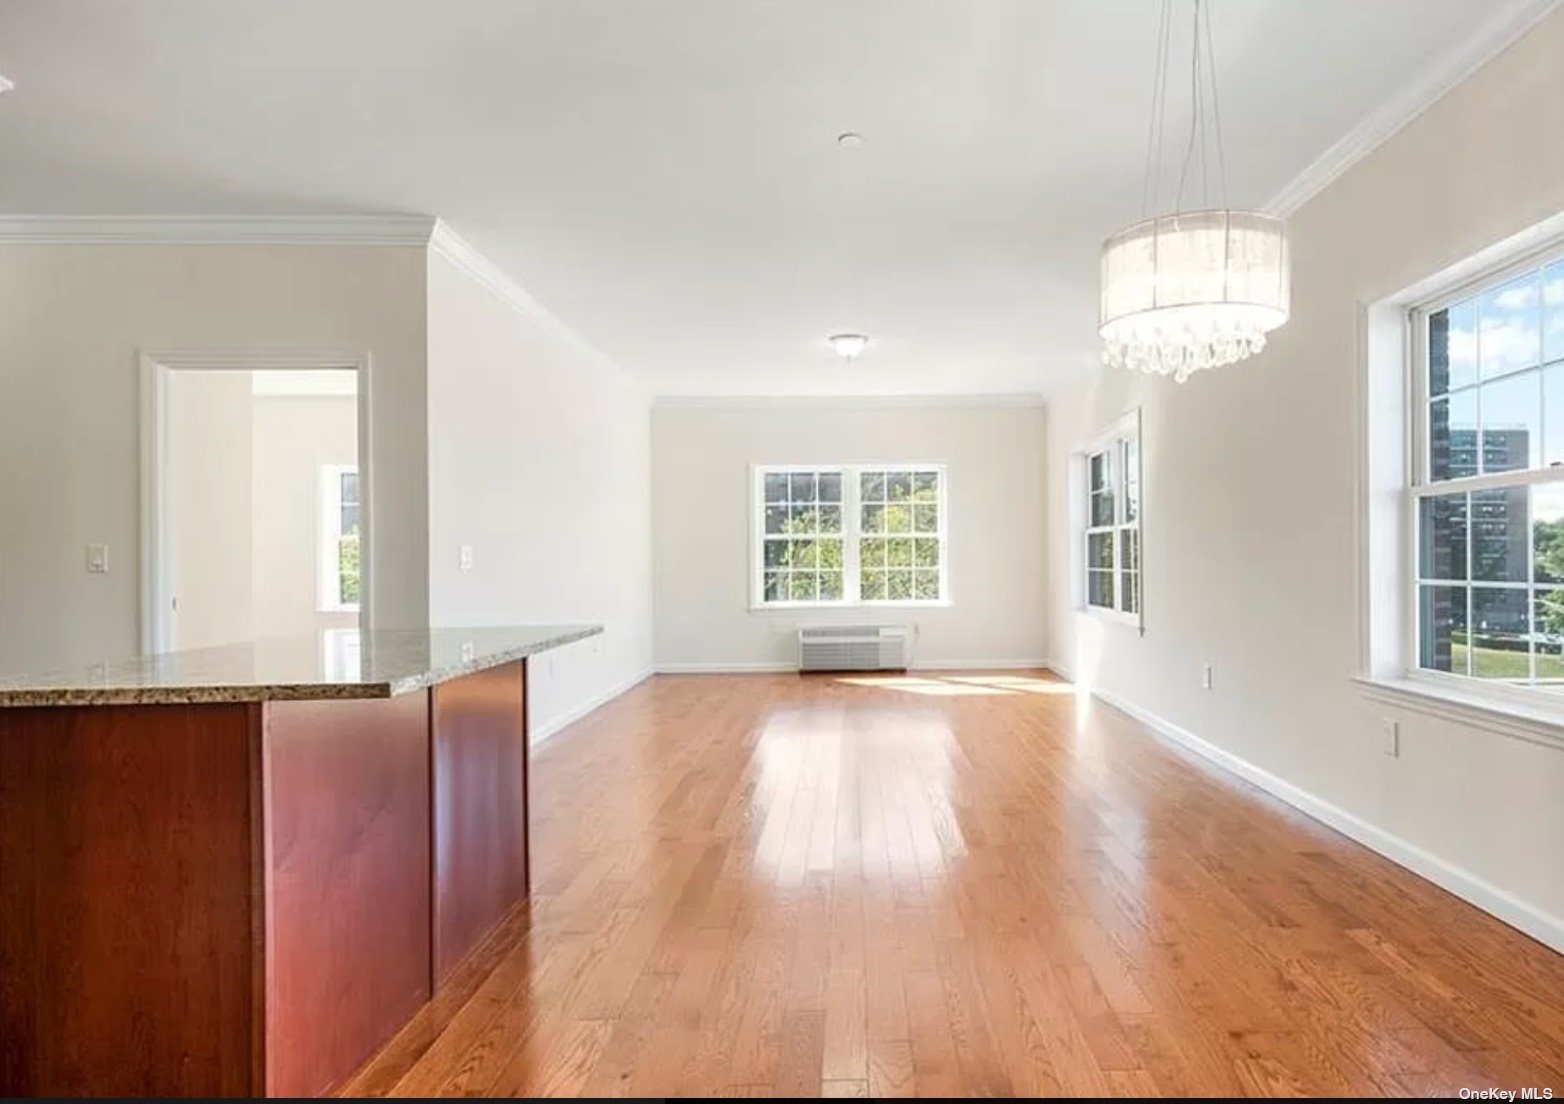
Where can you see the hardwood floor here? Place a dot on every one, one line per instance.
(949, 885)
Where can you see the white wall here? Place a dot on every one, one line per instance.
(1250, 482)
(701, 456)
(72, 319)
(293, 436)
(210, 506)
(538, 459)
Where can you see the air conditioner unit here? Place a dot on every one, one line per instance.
(852, 648)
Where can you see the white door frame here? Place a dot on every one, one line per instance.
(157, 557)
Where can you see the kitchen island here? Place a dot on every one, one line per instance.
(238, 871)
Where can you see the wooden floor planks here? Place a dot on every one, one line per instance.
(956, 885)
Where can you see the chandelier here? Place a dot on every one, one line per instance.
(1194, 289)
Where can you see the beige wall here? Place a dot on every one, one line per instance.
(1250, 505)
(210, 507)
(293, 436)
(72, 319)
(538, 459)
(701, 459)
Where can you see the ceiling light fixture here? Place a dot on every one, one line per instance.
(849, 139)
(849, 345)
(1193, 289)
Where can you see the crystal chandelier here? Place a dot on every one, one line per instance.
(1194, 289)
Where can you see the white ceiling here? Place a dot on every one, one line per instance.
(665, 176)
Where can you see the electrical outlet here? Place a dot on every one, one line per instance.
(468, 651)
(464, 557)
(97, 559)
(1390, 733)
(1207, 675)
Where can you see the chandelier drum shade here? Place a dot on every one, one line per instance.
(1195, 290)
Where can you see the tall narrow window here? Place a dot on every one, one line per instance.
(1110, 528)
(1487, 495)
(338, 554)
(849, 534)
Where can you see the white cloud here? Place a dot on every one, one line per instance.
(1521, 297)
(1553, 290)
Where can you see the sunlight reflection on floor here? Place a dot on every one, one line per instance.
(946, 686)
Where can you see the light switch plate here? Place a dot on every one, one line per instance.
(97, 559)
(464, 557)
(1390, 733)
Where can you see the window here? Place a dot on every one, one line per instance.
(1109, 478)
(338, 555)
(1486, 497)
(849, 534)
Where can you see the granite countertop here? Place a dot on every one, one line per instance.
(338, 664)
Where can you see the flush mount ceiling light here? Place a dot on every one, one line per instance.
(849, 345)
(1197, 289)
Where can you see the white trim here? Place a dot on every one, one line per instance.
(851, 535)
(1499, 903)
(843, 402)
(1518, 720)
(784, 667)
(448, 245)
(405, 230)
(1509, 23)
(156, 558)
(536, 736)
(1126, 427)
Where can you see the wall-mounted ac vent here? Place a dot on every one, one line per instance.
(852, 648)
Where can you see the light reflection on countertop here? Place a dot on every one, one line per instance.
(339, 663)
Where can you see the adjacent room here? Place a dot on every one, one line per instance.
(1001, 548)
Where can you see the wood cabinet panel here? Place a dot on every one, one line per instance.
(348, 909)
(128, 921)
(479, 730)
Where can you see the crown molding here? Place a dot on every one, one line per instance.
(217, 230)
(447, 244)
(1509, 23)
(842, 402)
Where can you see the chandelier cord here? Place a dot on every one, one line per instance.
(1216, 111)
(1155, 128)
(1196, 122)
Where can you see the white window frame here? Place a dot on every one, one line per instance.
(1420, 485)
(1113, 440)
(1392, 466)
(328, 583)
(851, 522)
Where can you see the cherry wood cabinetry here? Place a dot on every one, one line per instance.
(248, 898)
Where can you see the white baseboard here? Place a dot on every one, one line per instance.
(537, 734)
(918, 665)
(1540, 925)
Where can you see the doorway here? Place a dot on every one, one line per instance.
(255, 500)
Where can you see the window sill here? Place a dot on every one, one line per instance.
(791, 607)
(1534, 724)
(1117, 617)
